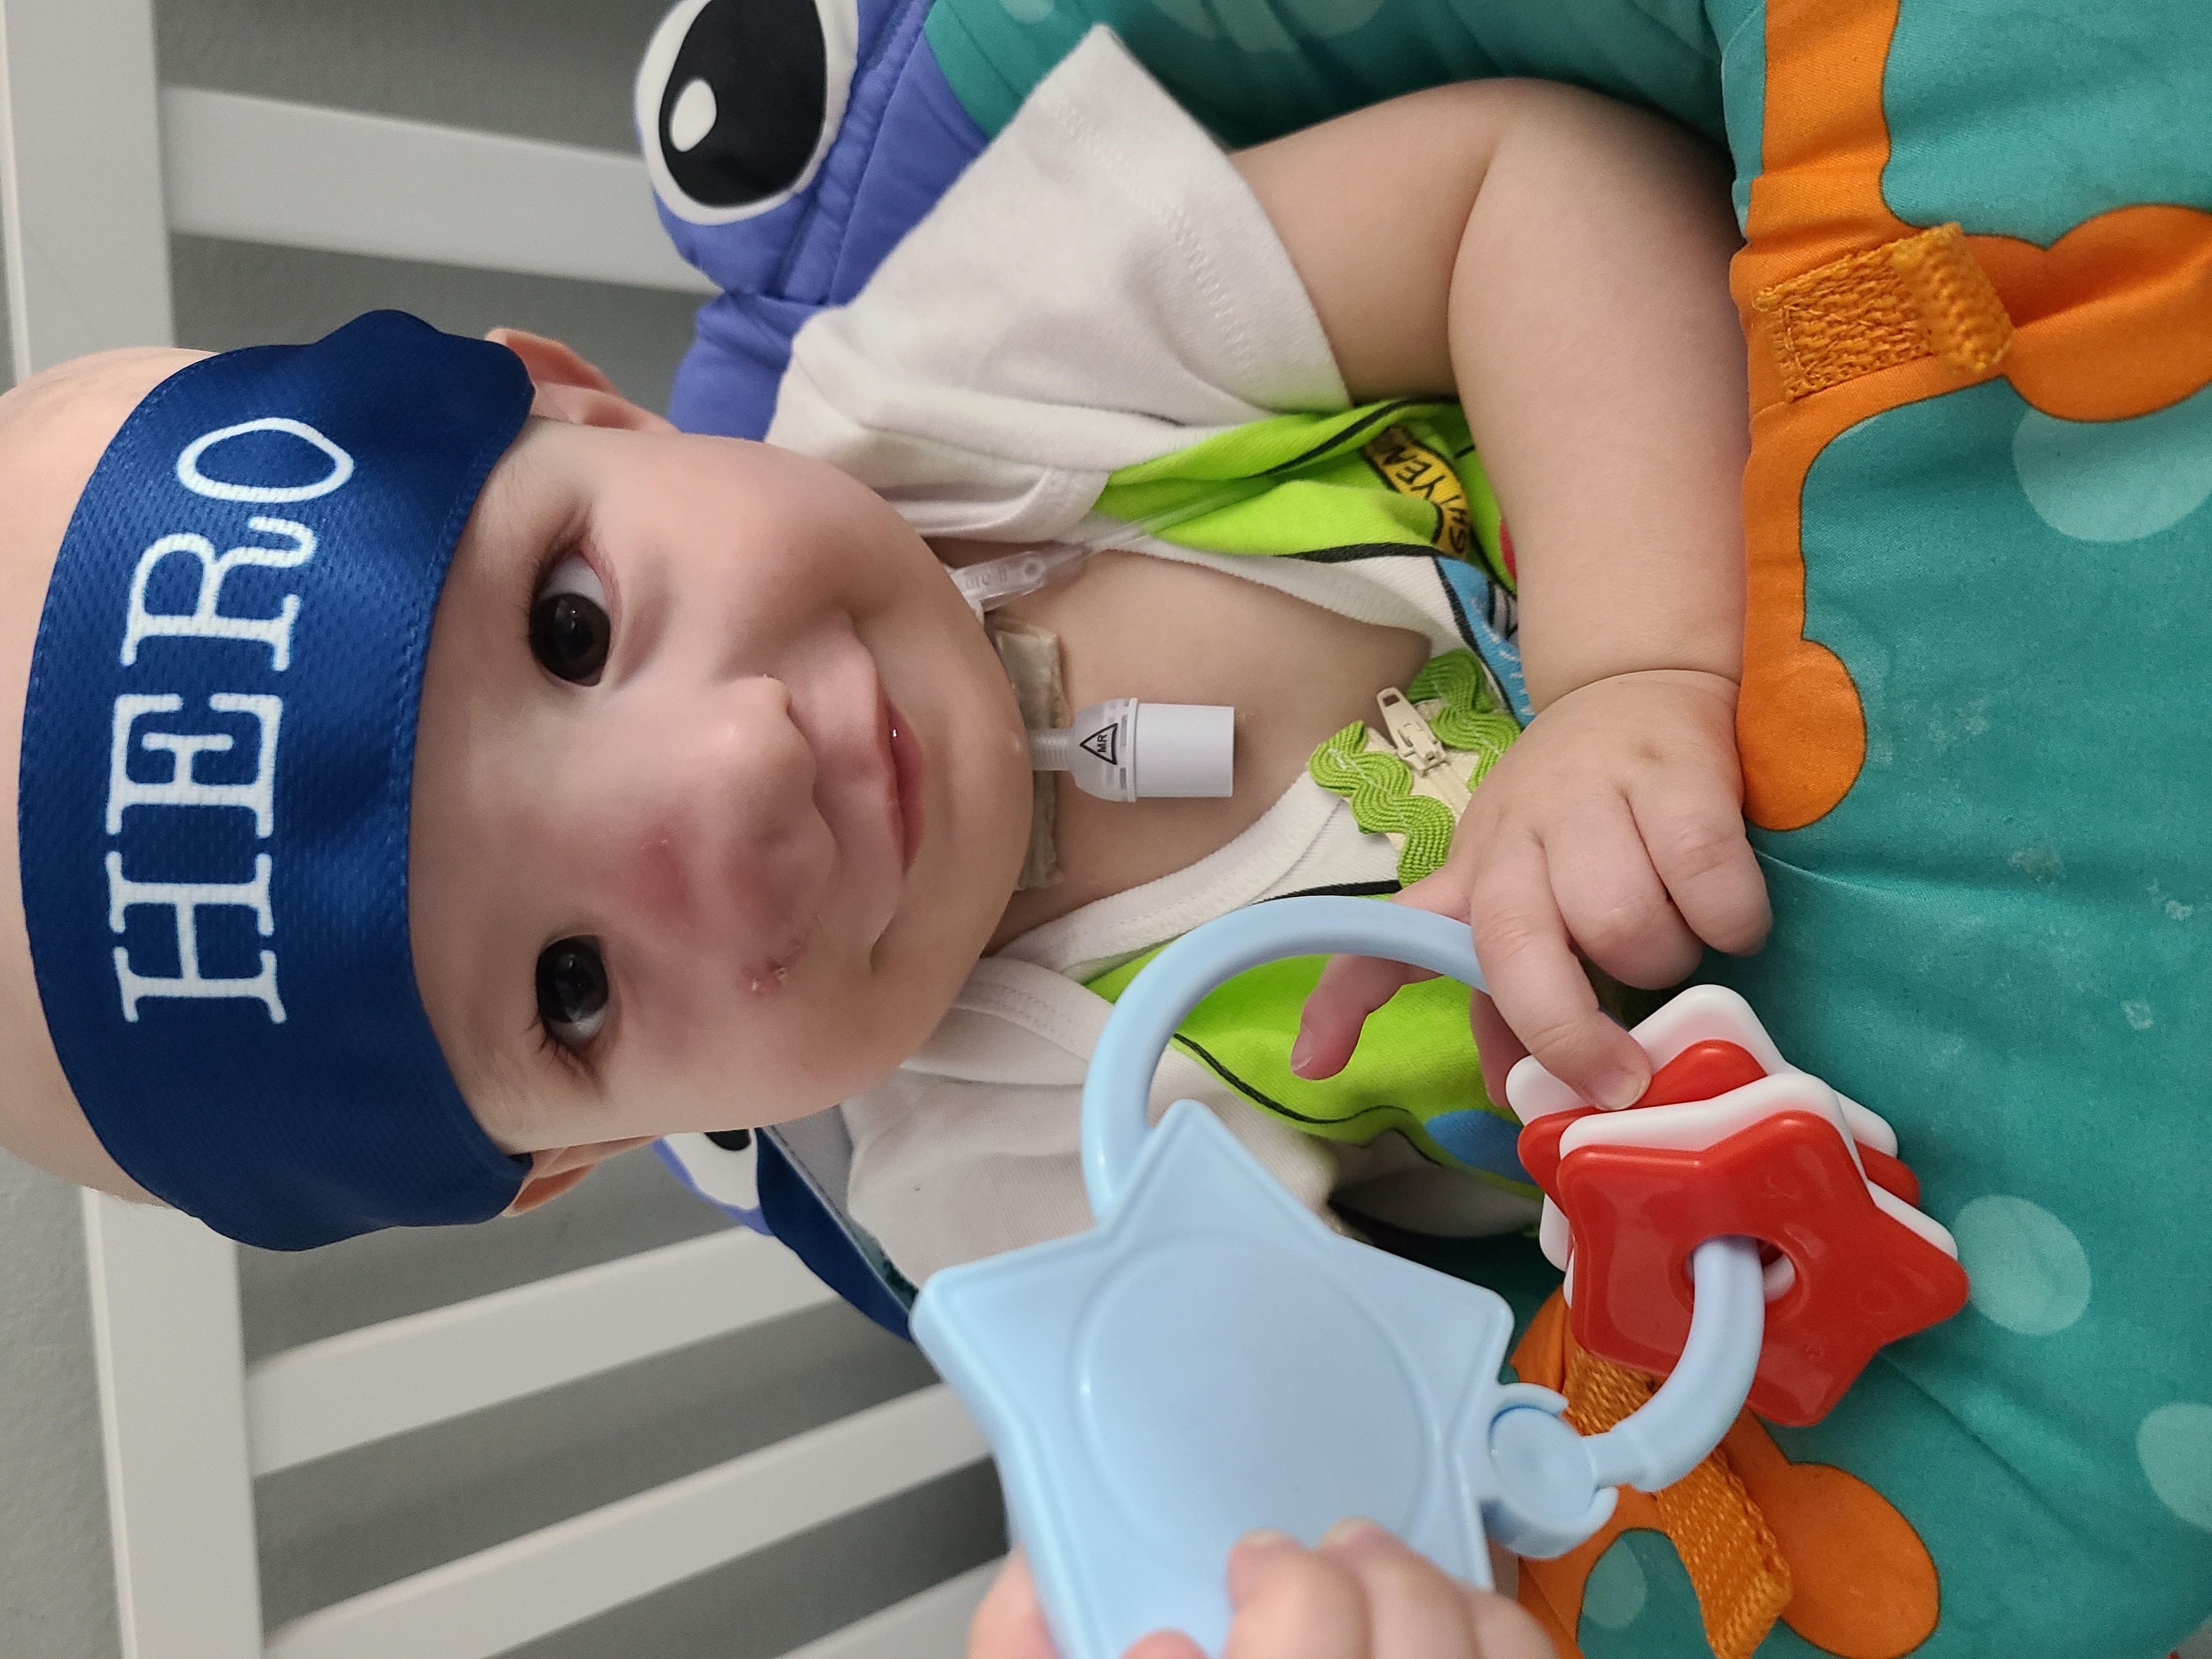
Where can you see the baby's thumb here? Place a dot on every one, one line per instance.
(1590, 1053)
(1495, 1046)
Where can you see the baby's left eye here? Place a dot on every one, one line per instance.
(571, 991)
(569, 632)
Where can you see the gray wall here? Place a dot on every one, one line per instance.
(547, 68)
(557, 70)
(56, 1591)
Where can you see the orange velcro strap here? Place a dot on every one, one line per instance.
(1920, 296)
(1734, 1560)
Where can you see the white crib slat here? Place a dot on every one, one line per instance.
(80, 180)
(258, 170)
(165, 1321)
(516, 1592)
(931, 1625)
(386, 1379)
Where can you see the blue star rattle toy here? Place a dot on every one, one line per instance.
(1175, 1378)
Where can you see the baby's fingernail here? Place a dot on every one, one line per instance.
(1302, 1054)
(1617, 1089)
(1251, 1559)
(1351, 1530)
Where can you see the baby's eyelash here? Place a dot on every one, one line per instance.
(547, 1042)
(574, 542)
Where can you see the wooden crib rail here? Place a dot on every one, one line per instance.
(348, 1390)
(188, 1427)
(258, 170)
(512, 1593)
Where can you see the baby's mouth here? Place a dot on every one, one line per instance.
(906, 782)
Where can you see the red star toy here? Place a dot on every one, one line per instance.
(1729, 1139)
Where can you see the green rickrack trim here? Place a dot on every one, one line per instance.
(1380, 785)
(1473, 718)
(1380, 788)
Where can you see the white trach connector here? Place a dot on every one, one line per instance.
(1124, 750)
(988, 586)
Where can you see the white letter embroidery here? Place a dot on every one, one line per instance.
(206, 619)
(186, 898)
(189, 476)
(181, 788)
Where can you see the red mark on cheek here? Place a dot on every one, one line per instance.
(763, 978)
(662, 887)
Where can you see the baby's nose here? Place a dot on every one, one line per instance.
(713, 836)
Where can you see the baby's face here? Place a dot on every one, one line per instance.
(718, 790)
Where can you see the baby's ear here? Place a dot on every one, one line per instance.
(544, 1189)
(570, 389)
(555, 1171)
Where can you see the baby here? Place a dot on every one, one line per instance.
(438, 775)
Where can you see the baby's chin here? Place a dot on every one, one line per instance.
(954, 898)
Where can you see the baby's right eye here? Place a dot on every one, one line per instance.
(568, 629)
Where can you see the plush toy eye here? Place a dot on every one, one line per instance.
(738, 100)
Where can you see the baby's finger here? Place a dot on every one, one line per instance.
(1293, 1603)
(1165, 1645)
(1503, 1630)
(1350, 990)
(1533, 974)
(1495, 1045)
(1616, 909)
(1695, 840)
(1352, 987)
(1009, 1623)
(1413, 1610)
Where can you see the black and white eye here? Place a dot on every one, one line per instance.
(571, 991)
(737, 102)
(569, 631)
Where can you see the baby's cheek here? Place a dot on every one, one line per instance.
(863, 1033)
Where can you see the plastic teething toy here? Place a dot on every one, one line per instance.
(1177, 1376)
(1730, 1138)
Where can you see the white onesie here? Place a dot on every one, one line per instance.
(1100, 289)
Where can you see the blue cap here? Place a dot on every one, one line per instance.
(217, 757)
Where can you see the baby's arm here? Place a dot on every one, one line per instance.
(1560, 262)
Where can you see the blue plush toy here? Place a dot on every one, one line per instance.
(792, 143)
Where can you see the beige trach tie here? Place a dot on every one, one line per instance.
(1030, 656)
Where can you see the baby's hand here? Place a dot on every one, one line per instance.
(1613, 827)
(1362, 1595)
